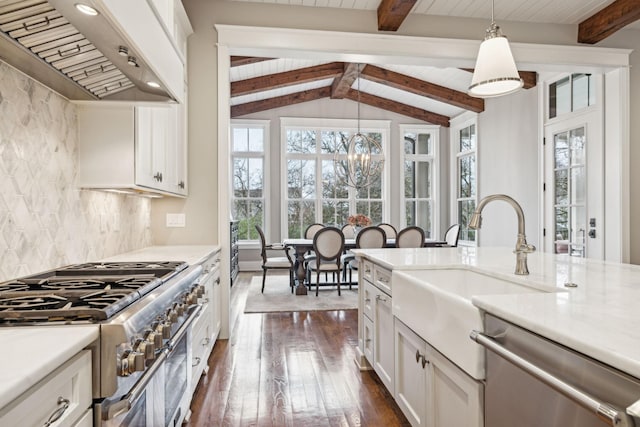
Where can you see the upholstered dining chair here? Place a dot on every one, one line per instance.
(348, 231)
(368, 237)
(309, 233)
(328, 244)
(389, 230)
(410, 237)
(274, 262)
(451, 235)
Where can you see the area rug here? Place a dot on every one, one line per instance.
(277, 297)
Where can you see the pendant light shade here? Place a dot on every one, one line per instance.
(495, 73)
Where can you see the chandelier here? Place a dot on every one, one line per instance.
(495, 73)
(364, 160)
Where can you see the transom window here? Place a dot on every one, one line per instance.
(315, 154)
(248, 142)
(420, 144)
(571, 93)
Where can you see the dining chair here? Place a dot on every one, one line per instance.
(328, 244)
(274, 262)
(389, 230)
(451, 235)
(309, 233)
(410, 237)
(368, 237)
(348, 231)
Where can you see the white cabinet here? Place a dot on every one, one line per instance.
(141, 149)
(64, 395)
(430, 390)
(380, 320)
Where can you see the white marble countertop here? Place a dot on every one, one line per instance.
(30, 353)
(599, 318)
(192, 254)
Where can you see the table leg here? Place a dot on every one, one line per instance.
(301, 289)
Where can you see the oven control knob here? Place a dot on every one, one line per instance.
(172, 316)
(199, 291)
(147, 348)
(155, 338)
(164, 329)
(136, 361)
(192, 298)
(179, 309)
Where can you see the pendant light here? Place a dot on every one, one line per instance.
(364, 160)
(495, 73)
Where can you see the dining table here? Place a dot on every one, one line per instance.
(303, 246)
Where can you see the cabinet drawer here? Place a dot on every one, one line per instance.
(382, 278)
(200, 345)
(69, 385)
(367, 270)
(368, 299)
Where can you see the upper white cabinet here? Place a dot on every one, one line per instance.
(126, 147)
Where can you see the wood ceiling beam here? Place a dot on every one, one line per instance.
(287, 78)
(236, 61)
(612, 18)
(280, 101)
(399, 108)
(422, 88)
(392, 13)
(530, 78)
(343, 83)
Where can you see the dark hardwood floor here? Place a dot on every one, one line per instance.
(290, 369)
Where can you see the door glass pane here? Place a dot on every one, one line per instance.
(577, 140)
(561, 145)
(578, 185)
(583, 91)
(561, 241)
(578, 231)
(561, 187)
(560, 97)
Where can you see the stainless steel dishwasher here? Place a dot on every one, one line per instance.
(534, 382)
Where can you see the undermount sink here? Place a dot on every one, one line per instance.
(436, 304)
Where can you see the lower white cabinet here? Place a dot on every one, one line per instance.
(383, 348)
(429, 389)
(62, 398)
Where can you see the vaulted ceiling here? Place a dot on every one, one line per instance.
(430, 94)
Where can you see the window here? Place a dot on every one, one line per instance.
(419, 176)
(570, 94)
(248, 166)
(466, 181)
(315, 153)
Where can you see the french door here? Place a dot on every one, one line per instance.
(574, 185)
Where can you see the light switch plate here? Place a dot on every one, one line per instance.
(176, 220)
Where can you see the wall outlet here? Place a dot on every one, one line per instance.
(176, 220)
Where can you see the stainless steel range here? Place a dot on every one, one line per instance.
(143, 310)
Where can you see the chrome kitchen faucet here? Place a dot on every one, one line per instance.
(522, 247)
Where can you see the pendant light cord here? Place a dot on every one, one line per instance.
(358, 98)
(492, 20)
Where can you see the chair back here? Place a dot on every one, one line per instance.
(452, 234)
(410, 237)
(371, 237)
(389, 230)
(328, 244)
(311, 230)
(348, 232)
(263, 244)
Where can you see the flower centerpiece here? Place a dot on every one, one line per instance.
(358, 221)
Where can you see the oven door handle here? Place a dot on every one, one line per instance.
(605, 412)
(126, 403)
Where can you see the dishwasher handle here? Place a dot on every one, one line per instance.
(605, 412)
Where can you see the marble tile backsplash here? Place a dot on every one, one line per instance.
(46, 221)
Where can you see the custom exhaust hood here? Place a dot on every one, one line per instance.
(82, 57)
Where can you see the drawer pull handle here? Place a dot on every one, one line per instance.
(421, 356)
(380, 298)
(367, 300)
(384, 279)
(206, 341)
(57, 414)
(367, 270)
(196, 363)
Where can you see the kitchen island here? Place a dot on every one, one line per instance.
(418, 308)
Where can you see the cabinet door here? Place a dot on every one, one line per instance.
(367, 339)
(151, 146)
(456, 398)
(383, 355)
(410, 375)
(217, 306)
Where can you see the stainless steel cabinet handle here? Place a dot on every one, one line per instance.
(57, 414)
(367, 300)
(206, 341)
(196, 362)
(421, 356)
(605, 412)
(384, 279)
(72, 51)
(380, 298)
(37, 24)
(418, 356)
